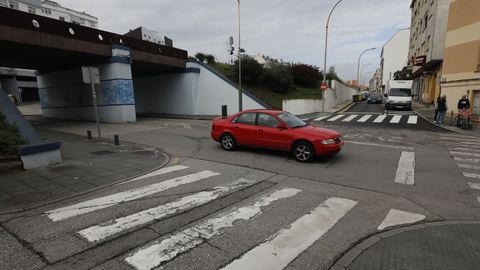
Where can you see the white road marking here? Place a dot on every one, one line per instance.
(464, 154)
(397, 217)
(113, 227)
(322, 118)
(477, 140)
(396, 119)
(456, 136)
(474, 185)
(157, 173)
(475, 160)
(380, 145)
(350, 118)
(471, 175)
(464, 149)
(412, 120)
(280, 249)
(158, 252)
(406, 169)
(125, 196)
(305, 119)
(470, 167)
(335, 118)
(466, 143)
(380, 118)
(365, 118)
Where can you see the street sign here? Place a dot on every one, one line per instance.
(86, 75)
(419, 60)
(323, 86)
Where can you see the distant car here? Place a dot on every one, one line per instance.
(277, 130)
(375, 98)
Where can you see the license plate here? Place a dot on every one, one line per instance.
(398, 107)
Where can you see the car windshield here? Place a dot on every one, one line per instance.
(291, 120)
(375, 95)
(400, 92)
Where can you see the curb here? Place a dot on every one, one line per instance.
(445, 128)
(346, 259)
(345, 108)
(167, 160)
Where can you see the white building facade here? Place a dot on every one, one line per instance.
(394, 55)
(52, 10)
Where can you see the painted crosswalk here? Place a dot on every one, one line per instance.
(370, 118)
(175, 196)
(465, 150)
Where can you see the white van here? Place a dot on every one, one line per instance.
(398, 95)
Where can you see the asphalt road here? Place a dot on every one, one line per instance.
(250, 208)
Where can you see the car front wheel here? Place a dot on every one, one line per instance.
(228, 142)
(303, 152)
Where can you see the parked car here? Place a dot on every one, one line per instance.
(375, 98)
(398, 95)
(277, 130)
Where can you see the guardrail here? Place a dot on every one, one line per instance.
(33, 22)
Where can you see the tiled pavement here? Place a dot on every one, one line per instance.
(86, 166)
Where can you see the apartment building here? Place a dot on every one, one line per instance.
(427, 44)
(52, 10)
(461, 68)
(394, 56)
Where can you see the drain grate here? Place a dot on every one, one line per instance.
(102, 153)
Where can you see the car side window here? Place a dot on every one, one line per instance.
(267, 120)
(246, 119)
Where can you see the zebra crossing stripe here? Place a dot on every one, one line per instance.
(412, 120)
(364, 118)
(157, 173)
(406, 169)
(470, 167)
(471, 175)
(380, 119)
(460, 139)
(474, 185)
(464, 154)
(335, 118)
(158, 252)
(322, 118)
(113, 227)
(475, 160)
(396, 119)
(125, 196)
(350, 118)
(278, 251)
(396, 217)
(464, 149)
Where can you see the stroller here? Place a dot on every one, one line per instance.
(464, 119)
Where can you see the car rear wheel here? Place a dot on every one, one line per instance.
(228, 142)
(303, 152)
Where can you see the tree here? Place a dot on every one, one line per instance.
(251, 69)
(305, 75)
(210, 59)
(404, 74)
(332, 74)
(200, 57)
(278, 76)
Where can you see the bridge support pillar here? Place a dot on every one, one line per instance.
(63, 94)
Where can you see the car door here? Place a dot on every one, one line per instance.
(244, 128)
(270, 135)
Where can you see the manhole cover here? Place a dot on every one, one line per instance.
(27, 198)
(102, 153)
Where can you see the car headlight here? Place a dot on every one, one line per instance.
(329, 141)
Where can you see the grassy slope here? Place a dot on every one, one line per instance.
(9, 138)
(268, 96)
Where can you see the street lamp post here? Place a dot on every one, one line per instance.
(358, 66)
(361, 71)
(240, 91)
(326, 49)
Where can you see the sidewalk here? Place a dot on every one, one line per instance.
(427, 111)
(440, 246)
(86, 166)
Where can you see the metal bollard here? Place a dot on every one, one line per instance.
(89, 134)
(116, 140)
(224, 111)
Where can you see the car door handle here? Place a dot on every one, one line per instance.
(261, 130)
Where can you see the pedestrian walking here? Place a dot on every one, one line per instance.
(441, 110)
(436, 109)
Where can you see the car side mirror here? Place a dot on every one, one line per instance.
(280, 126)
(386, 95)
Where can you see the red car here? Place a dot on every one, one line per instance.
(276, 130)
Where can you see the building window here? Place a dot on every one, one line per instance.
(13, 5)
(62, 19)
(3, 3)
(47, 11)
(93, 24)
(32, 10)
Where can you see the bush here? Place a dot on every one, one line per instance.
(251, 70)
(278, 76)
(306, 75)
(9, 138)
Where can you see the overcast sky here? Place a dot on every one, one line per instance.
(290, 30)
